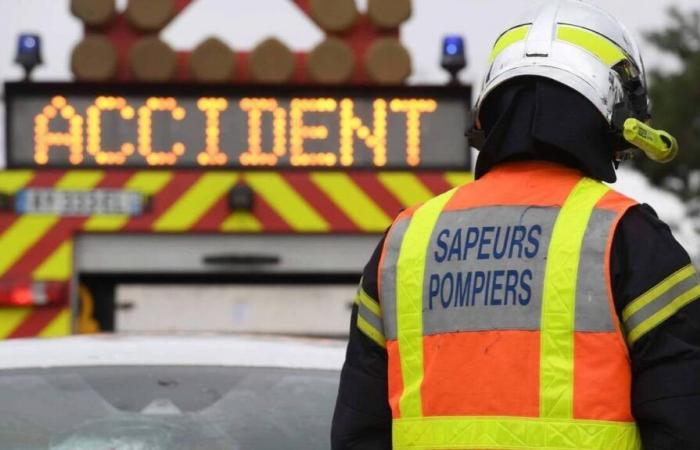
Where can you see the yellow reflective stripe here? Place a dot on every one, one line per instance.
(371, 332)
(456, 179)
(663, 314)
(352, 200)
(559, 300)
(198, 199)
(59, 326)
(371, 304)
(80, 180)
(241, 221)
(653, 293)
(13, 181)
(406, 187)
(11, 318)
(431, 433)
(601, 47)
(147, 183)
(286, 202)
(409, 301)
(56, 267)
(22, 235)
(509, 38)
(367, 304)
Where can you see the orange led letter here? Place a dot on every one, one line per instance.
(255, 156)
(44, 138)
(413, 109)
(94, 130)
(145, 128)
(212, 108)
(300, 132)
(351, 125)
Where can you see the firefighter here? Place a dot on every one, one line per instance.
(535, 308)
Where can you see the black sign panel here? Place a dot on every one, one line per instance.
(165, 126)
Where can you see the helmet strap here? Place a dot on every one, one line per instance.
(474, 132)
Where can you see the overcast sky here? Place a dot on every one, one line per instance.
(243, 23)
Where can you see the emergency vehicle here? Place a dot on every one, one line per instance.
(134, 206)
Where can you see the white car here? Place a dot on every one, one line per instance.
(168, 393)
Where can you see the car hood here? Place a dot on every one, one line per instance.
(172, 350)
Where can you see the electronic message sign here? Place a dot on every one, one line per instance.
(171, 126)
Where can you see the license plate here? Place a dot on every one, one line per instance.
(79, 203)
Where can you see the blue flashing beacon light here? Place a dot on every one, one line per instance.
(453, 45)
(454, 57)
(28, 52)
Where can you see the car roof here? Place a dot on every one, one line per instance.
(172, 350)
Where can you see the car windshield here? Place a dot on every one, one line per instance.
(169, 408)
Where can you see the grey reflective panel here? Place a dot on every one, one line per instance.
(485, 269)
(592, 307)
(388, 293)
(661, 301)
(370, 317)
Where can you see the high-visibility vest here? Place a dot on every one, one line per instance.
(500, 326)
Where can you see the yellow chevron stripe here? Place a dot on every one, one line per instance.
(59, 326)
(406, 187)
(286, 202)
(22, 235)
(189, 208)
(27, 230)
(80, 179)
(13, 181)
(148, 183)
(11, 318)
(459, 178)
(56, 267)
(241, 221)
(352, 200)
(105, 223)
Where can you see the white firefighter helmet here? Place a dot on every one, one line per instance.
(578, 45)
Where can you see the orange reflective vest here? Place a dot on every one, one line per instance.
(497, 310)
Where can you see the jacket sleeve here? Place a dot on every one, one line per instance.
(362, 418)
(656, 288)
